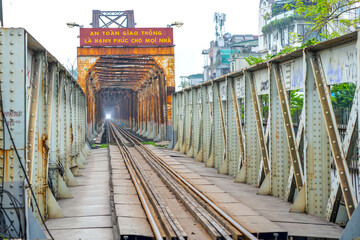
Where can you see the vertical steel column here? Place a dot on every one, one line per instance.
(252, 150)
(278, 148)
(14, 91)
(241, 177)
(199, 137)
(316, 148)
(221, 93)
(234, 143)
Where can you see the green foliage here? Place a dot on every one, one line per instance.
(149, 143)
(277, 8)
(322, 13)
(251, 60)
(280, 23)
(296, 99)
(342, 95)
(104, 145)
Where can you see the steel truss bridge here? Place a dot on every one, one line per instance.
(241, 124)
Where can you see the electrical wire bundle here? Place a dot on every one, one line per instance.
(4, 230)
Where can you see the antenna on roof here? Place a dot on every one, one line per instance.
(219, 19)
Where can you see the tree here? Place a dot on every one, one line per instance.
(329, 18)
(342, 95)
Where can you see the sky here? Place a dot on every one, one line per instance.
(46, 21)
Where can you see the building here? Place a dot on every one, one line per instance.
(241, 50)
(224, 50)
(279, 27)
(191, 80)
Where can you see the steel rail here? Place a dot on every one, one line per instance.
(154, 197)
(217, 228)
(223, 214)
(149, 215)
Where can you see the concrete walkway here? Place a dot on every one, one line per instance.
(88, 213)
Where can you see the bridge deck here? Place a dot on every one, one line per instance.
(88, 213)
(260, 212)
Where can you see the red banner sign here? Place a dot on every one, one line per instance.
(114, 37)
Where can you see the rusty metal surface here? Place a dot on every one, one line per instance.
(35, 101)
(133, 84)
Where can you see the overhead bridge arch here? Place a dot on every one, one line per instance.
(132, 84)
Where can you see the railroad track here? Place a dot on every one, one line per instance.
(140, 160)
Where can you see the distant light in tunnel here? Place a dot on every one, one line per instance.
(108, 116)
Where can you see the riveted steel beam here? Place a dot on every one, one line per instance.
(259, 125)
(238, 123)
(290, 135)
(334, 137)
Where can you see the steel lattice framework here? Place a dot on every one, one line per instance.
(311, 163)
(118, 19)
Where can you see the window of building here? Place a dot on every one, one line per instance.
(283, 37)
(265, 40)
(290, 30)
(301, 30)
(269, 36)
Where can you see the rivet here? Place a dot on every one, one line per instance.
(12, 34)
(11, 52)
(11, 43)
(19, 34)
(11, 62)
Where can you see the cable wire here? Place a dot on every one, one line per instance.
(24, 171)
